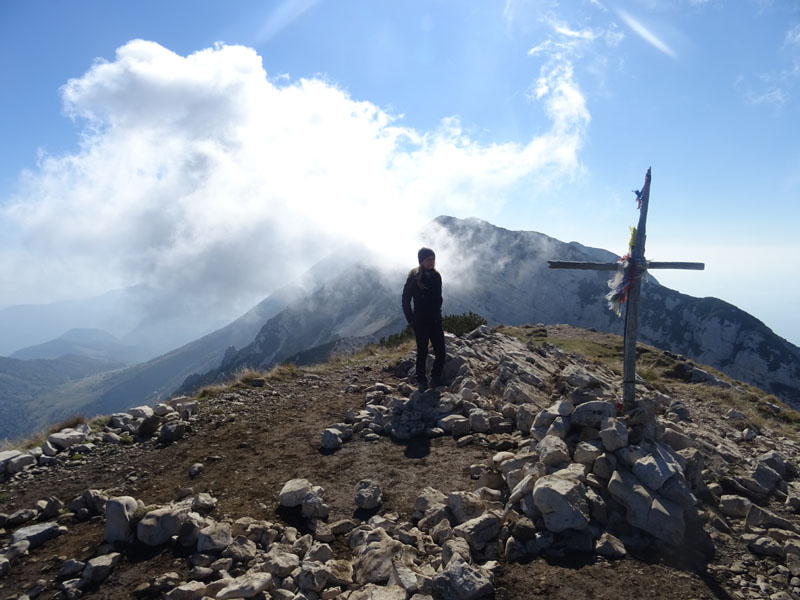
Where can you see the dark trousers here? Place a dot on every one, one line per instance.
(432, 332)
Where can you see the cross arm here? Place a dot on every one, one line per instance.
(597, 266)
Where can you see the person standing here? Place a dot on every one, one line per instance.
(423, 288)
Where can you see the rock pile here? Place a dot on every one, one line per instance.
(563, 473)
(572, 475)
(167, 422)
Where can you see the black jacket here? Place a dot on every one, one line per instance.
(427, 300)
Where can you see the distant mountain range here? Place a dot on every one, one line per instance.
(508, 281)
(500, 274)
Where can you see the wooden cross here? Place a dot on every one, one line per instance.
(638, 264)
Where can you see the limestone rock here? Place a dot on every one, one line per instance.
(461, 581)
(614, 434)
(193, 590)
(249, 585)
(280, 562)
(118, 519)
(562, 503)
(465, 506)
(368, 494)
(158, 526)
(241, 550)
(99, 568)
(592, 413)
(214, 538)
(294, 491)
(552, 451)
(65, 438)
(36, 535)
(480, 530)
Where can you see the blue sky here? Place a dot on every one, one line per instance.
(140, 139)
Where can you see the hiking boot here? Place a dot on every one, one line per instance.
(436, 382)
(422, 386)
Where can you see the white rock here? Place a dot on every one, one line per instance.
(119, 511)
(20, 462)
(159, 525)
(614, 434)
(279, 561)
(587, 452)
(214, 538)
(480, 530)
(99, 568)
(592, 413)
(562, 503)
(552, 451)
(462, 581)
(248, 585)
(294, 491)
(36, 535)
(368, 494)
(140, 412)
(66, 438)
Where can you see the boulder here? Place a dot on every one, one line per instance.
(172, 431)
(193, 590)
(314, 506)
(614, 434)
(552, 451)
(280, 561)
(461, 581)
(249, 585)
(5, 456)
(331, 439)
(480, 530)
(465, 506)
(368, 494)
(587, 452)
(158, 526)
(293, 492)
(20, 462)
(214, 538)
(119, 511)
(562, 503)
(374, 562)
(140, 412)
(241, 550)
(65, 438)
(592, 413)
(99, 568)
(36, 535)
(312, 576)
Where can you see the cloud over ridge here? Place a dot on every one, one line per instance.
(201, 177)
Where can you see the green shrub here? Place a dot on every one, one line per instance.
(464, 323)
(455, 324)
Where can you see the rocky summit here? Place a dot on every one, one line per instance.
(520, 478)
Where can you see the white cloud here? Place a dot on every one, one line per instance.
(202, 178)
(647, 35)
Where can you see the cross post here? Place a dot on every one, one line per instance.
(637, 265)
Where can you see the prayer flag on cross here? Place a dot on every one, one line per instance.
(626, 289)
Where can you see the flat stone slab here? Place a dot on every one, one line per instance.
(36, 535)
